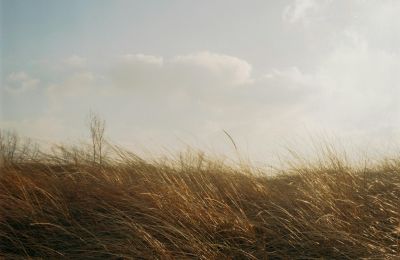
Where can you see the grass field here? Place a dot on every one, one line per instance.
(79, 203)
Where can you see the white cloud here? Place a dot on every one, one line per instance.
(223, 69)
(194, 72)
(138, 72)
(76, 61)
(357, 74)
(350, 87)
(362, 85)
(143, 59)
(20, 82)
(77, 84)
(378, 23)
(290, 78)
(304, 11)
(194, 95)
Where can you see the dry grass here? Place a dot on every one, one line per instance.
(65, 205)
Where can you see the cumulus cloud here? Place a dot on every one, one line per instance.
(75, 61)
(199, 93)
(138, 72)
(142, 59)
(20, 82)
(192, 71)
(223, 69)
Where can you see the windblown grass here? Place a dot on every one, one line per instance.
(65, 205)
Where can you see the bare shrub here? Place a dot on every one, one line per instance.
(14, 149)
(97, 128)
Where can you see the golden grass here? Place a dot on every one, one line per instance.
(65, 206)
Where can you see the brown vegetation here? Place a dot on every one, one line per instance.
(72, 204)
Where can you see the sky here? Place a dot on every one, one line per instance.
(170, 74)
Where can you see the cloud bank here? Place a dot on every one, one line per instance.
(351, 88)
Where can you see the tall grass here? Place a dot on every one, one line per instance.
(71, 204)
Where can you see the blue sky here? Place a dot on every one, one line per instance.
(37, 29)
(171, 73)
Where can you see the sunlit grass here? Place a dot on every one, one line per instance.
(68, 204)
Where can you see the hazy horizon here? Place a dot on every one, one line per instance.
(176, 73)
